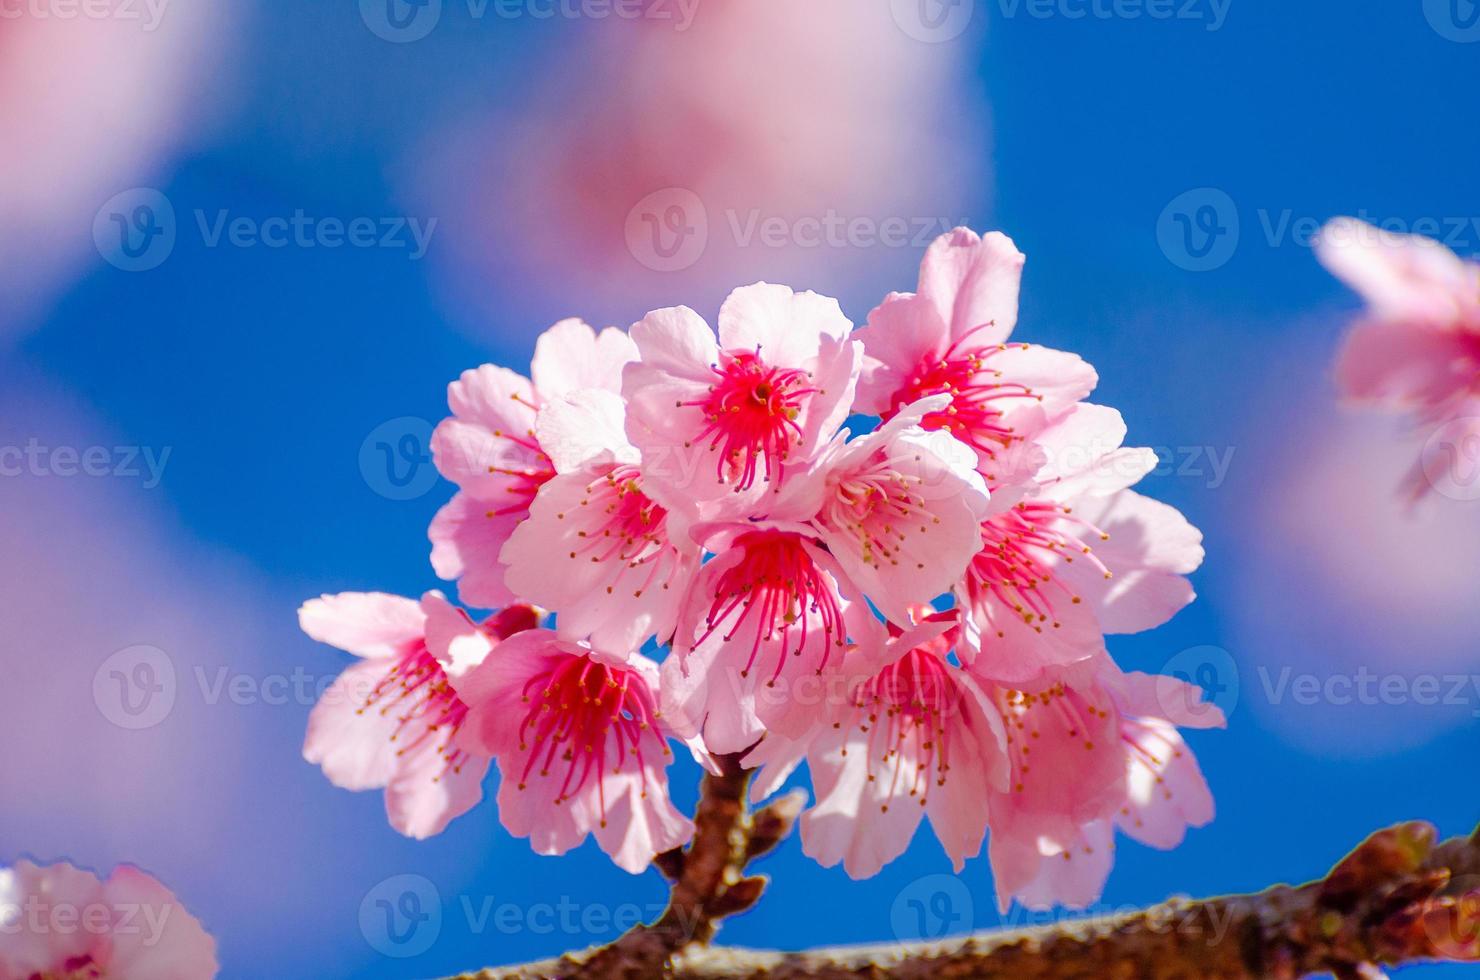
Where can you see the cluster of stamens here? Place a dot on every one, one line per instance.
(1060, 709)
(979, 396)
(1150, 749)
(583, 717)
(881, 507)
(621, 525)
(1021, 548)
(416, 692)
(775, 592)
(906, 711)
(527, 470)
(750, 416)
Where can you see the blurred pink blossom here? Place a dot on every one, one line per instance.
(91, 105)
(793, 142)
(61, 921)
(1417, 348)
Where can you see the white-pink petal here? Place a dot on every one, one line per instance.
(367, 624)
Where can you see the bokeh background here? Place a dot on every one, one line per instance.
(214, 397)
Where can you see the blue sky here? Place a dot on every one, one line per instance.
(265, 370)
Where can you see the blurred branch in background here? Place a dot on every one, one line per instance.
(1398, 898)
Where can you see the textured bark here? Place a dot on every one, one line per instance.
(1398, 898)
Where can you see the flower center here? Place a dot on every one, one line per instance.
(1062, 712)
(776, 592)
(1021, 550)
(750, 416)
(904, 710)
(424, 704)
(975, 415)
(878, 505)
(619, 523)
(584, 715)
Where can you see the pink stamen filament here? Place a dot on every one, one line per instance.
(915, 695)
(1062, 710)
(963, 371)
(426, 706)
(620, 525)
(588, 715)
(750, 415)
(774, 587)
(523, 481)
(877, 505)
(1021, 548)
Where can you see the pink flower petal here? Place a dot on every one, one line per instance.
(367, 624)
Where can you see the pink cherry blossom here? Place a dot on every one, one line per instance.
(1076, 555)
(1092, 750)
(59, 921)
(388, 722)
(595, 546)
(765, 619)
(718, 424)
(950, 337)
(489, 448)
(1417, 348)
(898, 508)
(580, 745)
(910, 735)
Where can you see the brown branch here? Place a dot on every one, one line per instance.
(1398, 898)
(708, 883)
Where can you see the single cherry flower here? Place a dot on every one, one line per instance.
(1092, 750)
(951, 337)
(908, 735)
(580, 744)
(721, 423)
(595, 546)
(764, 624)
(898, 507)
(388, 722)
(1071, 553)
(489, 448)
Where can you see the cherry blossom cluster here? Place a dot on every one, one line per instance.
(892, 553)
